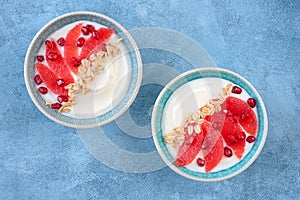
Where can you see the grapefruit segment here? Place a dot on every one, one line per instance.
(249, 122)
(191, 146)
(57, 63)
(70, 47)
(236, 106)
(49, 79)
(213, 149)
(91, 44)
(230, 133)
(247, 117)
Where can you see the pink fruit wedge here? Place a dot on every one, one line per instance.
(57, 64)
(249, 122)
(189, 149)
(246, 115)
(70, 47)
(230, 133)
(50, 79)
(213, 149)
(95, 41)
(217, 120)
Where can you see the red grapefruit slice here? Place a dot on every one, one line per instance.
(70, 47)
(249, 122)
(57, 63)
(230, 133)
(247, 117)
(91, 44)
(213, 149)
(49, 79)
(189, 149)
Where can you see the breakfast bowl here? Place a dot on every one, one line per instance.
(209, 124)
(83, 70)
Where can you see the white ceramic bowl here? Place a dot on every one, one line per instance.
(132, 53)
(160, 108)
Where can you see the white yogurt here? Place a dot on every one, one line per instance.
(106, 90)
(186, 100)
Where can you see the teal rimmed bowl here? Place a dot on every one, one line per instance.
(157, 118)
(135, 63)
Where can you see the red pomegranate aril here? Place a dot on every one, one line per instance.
(231, 139)
(200, 162)
(241, 135)
(40, 58)
(227, 152)
(236, 90)
(80, 42)
(61, 41)
(43, 90)
(84, 30)
(62, 98)
(48, 44)
(75, 62)
(251, 102)
(52, 56)
(60, 82)
(90, 28)
(250, 139)
(55, 106)
(95, 35)
(37, 79)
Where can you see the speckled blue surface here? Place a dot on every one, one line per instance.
(259, 40)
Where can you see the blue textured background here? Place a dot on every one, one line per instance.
(259, 40)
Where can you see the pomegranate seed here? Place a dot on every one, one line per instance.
(236, 90)
(80, 42)
(84, 30)
(55, 106)
(48, 44)
(236, 118)
(96, 35)
(60, 82)
(37, 79)
(227, 152)
(90, 28)
(231, 139)
(250, 139)
(40, 58)
(61, 41)
(241, 135)
(200, 162)
(75, 62)
(43, 90)
(62, 98)
(251, 102)
(52, 56)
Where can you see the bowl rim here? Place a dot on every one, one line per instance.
(155, 135)
(136, 51)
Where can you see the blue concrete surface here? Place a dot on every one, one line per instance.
(260, 40)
